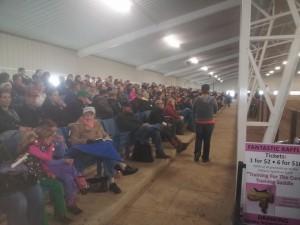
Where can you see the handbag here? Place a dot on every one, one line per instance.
(142, 152)
(97, 184)
(14, 178)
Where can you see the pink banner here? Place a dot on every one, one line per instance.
(273, 148)
(250, 219)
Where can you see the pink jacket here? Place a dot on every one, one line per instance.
(43, 156)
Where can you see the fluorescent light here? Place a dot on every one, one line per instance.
(219, 78)
(299, 54)
(204, 68)
(211, 73)
(298, 72)
(267, 74)
(119, 5)
(271, 71)
(173, 41)
(284, 62)
(221, 81)
(54, 80)
(275, 92)
(277, 68)
(294, 92)
(216, 76)
(194, 60)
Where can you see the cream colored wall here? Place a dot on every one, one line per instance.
(18, 52)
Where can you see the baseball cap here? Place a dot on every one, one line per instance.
(88, 109)
(83, 93)
(159, 102)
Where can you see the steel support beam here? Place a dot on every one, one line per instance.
(287, 77)
(243, 78)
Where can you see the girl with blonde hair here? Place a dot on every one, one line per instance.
(38, 143)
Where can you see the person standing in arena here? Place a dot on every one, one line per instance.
(205, 107)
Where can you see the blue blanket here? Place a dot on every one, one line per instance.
(103, 149)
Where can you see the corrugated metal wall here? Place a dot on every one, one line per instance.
(19, 52)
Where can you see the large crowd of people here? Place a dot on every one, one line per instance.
(37, 112)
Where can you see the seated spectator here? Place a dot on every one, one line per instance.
(71, 92)
(174, 118)
(39, 86)
(24, 205)
(187, 114)
(132, 94)
(69, 80)
(9, 119)
(122, 95)
(54, 108)
(64, 170)
(18, 91)
(4, 81)
(74, 108)
(140, 104)
(38, 144)
(102, 106)
(156, 119)
(128, 122)
(85, 131)
(29, 112)
(25, 79)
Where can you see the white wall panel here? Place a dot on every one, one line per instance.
(19, 52)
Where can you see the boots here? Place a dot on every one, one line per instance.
(178, 145)
(182, 145)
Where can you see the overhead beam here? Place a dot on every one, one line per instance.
(273, 17)
(158, 27)
(220, 74)
(205, 72)
(216, 69)
(188, 53)
(275, 37)
(222, 59)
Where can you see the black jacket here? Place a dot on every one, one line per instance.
(7, 121)
(128, 122)
(156, 116)
(30, 117)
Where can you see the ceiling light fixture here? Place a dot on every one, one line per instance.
(204, 68)
(271, 72)
(267, 74)
(211, 73)
(119, 5)
(298, 72)
(194, 60)
(172, 40)
(284, 62)
(216, 76)
(277, 68)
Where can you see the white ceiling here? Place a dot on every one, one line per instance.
(208, 29)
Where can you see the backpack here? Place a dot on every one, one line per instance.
(142, 152)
